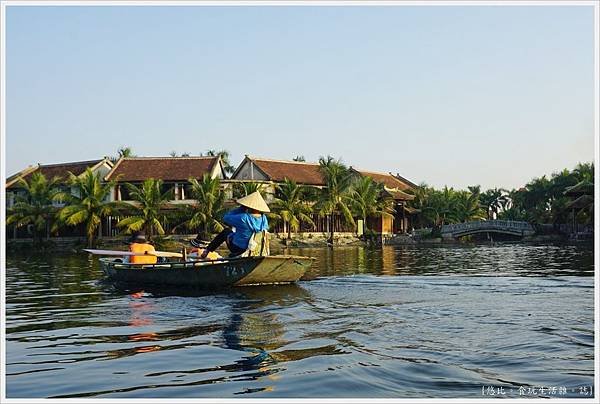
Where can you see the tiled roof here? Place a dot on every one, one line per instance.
(134, 169)
(300, 172)
(388, 180)
(582, 202)
(13, 178)
(410, 210)
(62, 170)
(309, 173)
(54, 170)
(405, 180)
(401, 196)
(581, 188)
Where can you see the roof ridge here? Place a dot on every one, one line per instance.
(113, 169)
(281, 161)
(374, 172)
(169, 158)
(404, 179)
(166, 168)
(13, 179)
(389, 175)
(71, 163)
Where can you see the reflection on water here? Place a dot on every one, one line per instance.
(391, 322)
(478, 260)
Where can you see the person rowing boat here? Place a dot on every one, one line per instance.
(244, 221)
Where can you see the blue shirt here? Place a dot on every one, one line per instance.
(245, 225)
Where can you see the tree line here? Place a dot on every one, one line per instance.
(85, 202)
(545, 200)
(346, 195)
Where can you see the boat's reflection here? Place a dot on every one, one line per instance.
(255, 324)
(256, 328)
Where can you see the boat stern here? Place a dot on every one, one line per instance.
(277, 269)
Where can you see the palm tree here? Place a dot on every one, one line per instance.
(126, 152)
(493, 201)
(89, 204)
(559, 182)
(209, 209)
(290, 204)
(35, 206)
(242, 189)
(467, 207)
(122, 152)
(335, 197)
(584, 171)
(147, 208)
(368, 199)
(439, 208)
(537, 199)
(224, 154)
(418, 203)
(474, 189)
(513, 206)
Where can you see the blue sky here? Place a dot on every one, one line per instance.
(490, 95)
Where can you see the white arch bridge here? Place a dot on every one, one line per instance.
(520, 229)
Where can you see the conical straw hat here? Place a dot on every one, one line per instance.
(254, 201)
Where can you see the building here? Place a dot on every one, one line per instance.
(271, 172)
(275, 171)
(397, 188)
(173, 171)
(50, 171)
(60, 171)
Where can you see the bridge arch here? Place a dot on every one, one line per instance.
(514, 228)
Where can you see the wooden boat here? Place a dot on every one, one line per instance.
(221, 273)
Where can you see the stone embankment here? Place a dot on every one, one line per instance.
(278, 241)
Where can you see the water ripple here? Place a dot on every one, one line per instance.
(394, 322)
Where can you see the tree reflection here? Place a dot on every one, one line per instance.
(388, 261)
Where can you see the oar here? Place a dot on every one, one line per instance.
(129, 253)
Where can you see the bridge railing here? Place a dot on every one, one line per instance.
(487, 224)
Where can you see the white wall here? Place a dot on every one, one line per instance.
(248, 172)
(103, 170)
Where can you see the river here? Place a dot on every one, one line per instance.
(510, 320)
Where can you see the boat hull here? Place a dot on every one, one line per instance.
(210, 274)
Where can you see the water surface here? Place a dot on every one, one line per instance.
(396, 322)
